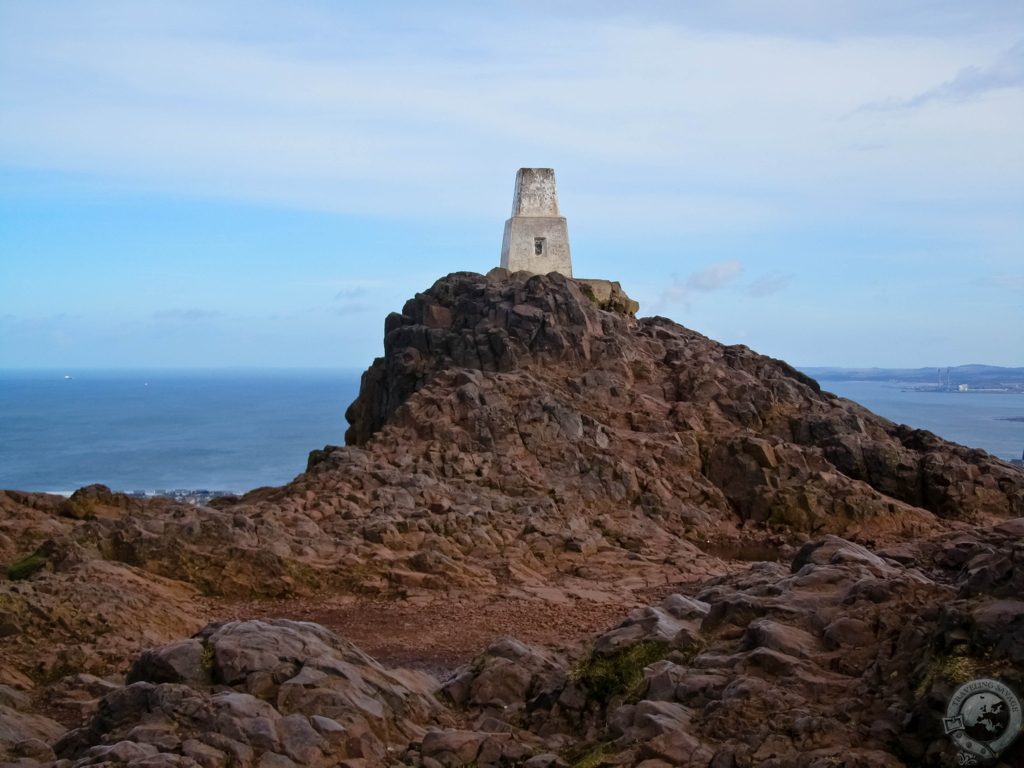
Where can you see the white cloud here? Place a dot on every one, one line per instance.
(326, 110)
(769, 284)
(1007, 71)
(715, 277)
(712, 278)
(729, 129)
(354, 292)
(188, 315)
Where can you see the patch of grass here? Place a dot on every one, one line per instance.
(25, 567)
(788, 517)
(960, 669)
(304, 576)
(78, 509)
(10, 603)
(444, 698)
(956, 667)
(206, 658)
(620, 673)
(593, 757)
(48, 676)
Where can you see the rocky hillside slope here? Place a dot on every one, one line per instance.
(523, 443)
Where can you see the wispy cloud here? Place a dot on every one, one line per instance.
(769, 284)
(353, 300)
(365, 116)
(1007, 71)
(186, 315)
(347, 294)
(710, 279)
(698, 128)
(39, 321)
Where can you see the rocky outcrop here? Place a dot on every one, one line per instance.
(91, 615)
(608, 295)
(485, 324)
(527, 442)
(772, 445)
(25, 735)
(267, 693)
(843, 657)
(515, 432)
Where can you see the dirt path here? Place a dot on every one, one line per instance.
(437, 634)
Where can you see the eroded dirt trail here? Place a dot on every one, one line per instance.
(438, 634)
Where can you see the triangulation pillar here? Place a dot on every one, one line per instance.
(536, 237)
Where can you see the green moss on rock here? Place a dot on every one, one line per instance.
(621, 673)
(595, 757)
(25, 567)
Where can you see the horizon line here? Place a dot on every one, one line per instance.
(360, 369)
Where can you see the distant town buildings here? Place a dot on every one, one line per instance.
(196, 497)
(981, 385)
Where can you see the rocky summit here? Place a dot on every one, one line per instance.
(557, 535)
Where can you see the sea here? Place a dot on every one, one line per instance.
(976, 419)
(235, 430)
(218, 430)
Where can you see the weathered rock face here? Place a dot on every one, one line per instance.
(767, 441)
(486, 324)
(279, 693)
(846, 657)
(516, 431)
(64, 606)
(23, 734)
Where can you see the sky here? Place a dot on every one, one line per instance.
(196, 184)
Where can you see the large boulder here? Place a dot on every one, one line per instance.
(256, 693)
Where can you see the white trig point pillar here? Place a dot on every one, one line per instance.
(536, 237)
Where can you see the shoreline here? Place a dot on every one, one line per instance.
(190, 495)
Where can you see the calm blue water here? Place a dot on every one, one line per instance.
(146, 430)
(229, 430)
(973, 419)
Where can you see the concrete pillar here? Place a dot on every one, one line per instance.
(536, 237)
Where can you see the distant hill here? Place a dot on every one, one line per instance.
(974, 375)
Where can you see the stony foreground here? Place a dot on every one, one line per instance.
(846, 657)
(530, 459)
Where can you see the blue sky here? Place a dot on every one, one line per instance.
(204, 184)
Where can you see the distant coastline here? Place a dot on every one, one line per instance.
(186, 495)
(994, 424)
(960, 379)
